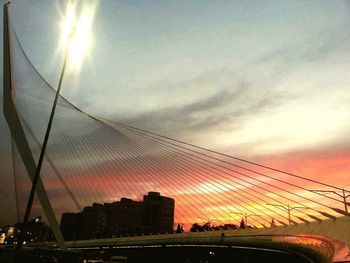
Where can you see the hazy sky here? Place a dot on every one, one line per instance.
(265, 75)
(266, 80)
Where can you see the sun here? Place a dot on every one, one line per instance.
(75, 33)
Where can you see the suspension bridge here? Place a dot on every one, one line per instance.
(95, 160)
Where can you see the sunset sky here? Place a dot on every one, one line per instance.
(267, 81)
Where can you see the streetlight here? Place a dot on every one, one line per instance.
(42, 153)
(343, 195)
(245, 215)
(288, 208)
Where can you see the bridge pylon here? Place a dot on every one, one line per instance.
(17, 131)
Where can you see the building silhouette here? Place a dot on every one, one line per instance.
(124, 217)
(70, 225)
(155, 214)
(158, 213)
(93, 221)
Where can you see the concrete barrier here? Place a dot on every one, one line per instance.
(337, 230)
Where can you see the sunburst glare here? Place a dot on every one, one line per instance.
(80, 41)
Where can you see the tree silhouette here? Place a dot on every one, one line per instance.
(242, 224)
(273, 223)
(206, 227)
(196, 228)
(179, 229)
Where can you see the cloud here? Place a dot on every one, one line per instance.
(225, 102)
(225, 106)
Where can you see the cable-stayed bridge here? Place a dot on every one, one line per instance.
(94, 160)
